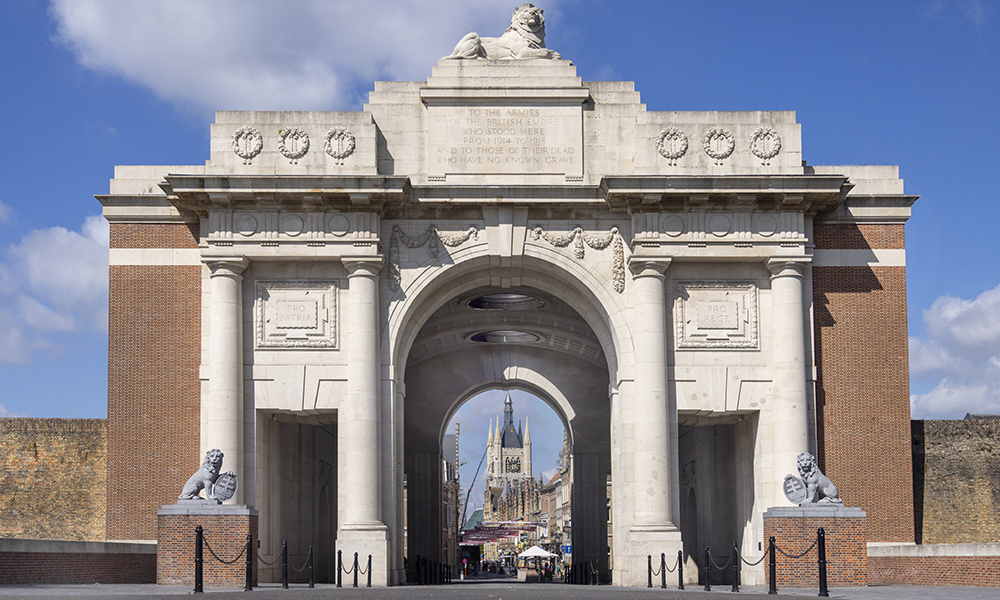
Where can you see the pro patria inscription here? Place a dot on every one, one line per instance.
(295, 315)
(505, 139)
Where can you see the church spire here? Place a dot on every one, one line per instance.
(490, 441)
(508, 412)
(527, 432)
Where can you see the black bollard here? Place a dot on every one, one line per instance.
(772, 567)
(355, 569)
(312, 578)
(736, 568)
(708, 570)
(284, 564)
(823, 591)
(198, 587)
(663, 571)
(369, 570)
(680, 569)
(649, 570)
(248, 585)
(340, 566)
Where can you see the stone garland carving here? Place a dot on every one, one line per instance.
(339, 144)
(579, 238)
(247, 143)
(719, 143)
(431, 237)
(672, 144)
(293, 144)
(765, 143)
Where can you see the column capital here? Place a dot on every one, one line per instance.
(363, 266)
(787, 266)
(226, 265)
(648, 266)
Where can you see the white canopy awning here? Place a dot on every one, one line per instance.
(536, 552)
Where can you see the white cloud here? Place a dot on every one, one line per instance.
(960, 357)
(262, 55)
(6, 414)
(54, 280)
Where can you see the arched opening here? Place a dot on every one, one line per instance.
(524, 339)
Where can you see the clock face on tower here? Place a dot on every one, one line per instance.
(513, 465)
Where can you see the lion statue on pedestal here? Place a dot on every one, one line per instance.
(819, 488)
(525, 38)
(204, 478)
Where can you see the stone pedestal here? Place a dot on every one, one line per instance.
(794, 530)
(225, 529)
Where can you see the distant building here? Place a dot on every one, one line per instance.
(511, 491)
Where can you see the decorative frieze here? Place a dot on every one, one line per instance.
(431, 237)
(716, 314)
(296, 314)
(597, 241)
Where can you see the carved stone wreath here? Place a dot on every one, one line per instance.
(247, 143)
(765, 143)
(295, 135)
(719, 143)
(598, 242)
(432, 236)
(339, 144)
(667, 149)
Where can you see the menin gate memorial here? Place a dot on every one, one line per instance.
(695, 302)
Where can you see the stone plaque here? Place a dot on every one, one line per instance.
(225, 487)
(794, 489)
(485, 139)
(296, 314)
(716, 314)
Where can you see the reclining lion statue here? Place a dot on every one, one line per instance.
(525, 38)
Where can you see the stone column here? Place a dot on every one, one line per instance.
(789, 415)
(652, 418)
(361, 411)
(224, 418)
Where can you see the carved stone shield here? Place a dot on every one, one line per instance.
(794, 489)
(225, 487)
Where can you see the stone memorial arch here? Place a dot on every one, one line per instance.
(319, 297)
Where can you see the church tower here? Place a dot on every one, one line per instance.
(508, 469)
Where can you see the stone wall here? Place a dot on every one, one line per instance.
(154, 387)
(52, 478)
(862, 388)
(956, 481)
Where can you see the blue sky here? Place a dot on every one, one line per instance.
(89, 84)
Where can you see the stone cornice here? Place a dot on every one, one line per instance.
(805, 193)
(201, 193)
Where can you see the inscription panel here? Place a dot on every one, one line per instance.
(717, 314)
(505, 139)
(296, 314)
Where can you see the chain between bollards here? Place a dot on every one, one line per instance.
(199, 587)
(821, 562)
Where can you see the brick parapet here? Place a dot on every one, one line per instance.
(846, 550)
(850, 236)
(154, 235)
(80, 568)
(934, 570)
(862, 392)
(224, 533)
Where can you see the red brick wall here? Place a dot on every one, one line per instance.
(154, 391)
(52, 478)
(226, 534)
(862, 395)
(934, 570)
(846, 550)
(45, 567)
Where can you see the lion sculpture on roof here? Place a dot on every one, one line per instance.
(524, 39)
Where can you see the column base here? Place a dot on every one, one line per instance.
(366, 539)
(645, 541)
(225, 528)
